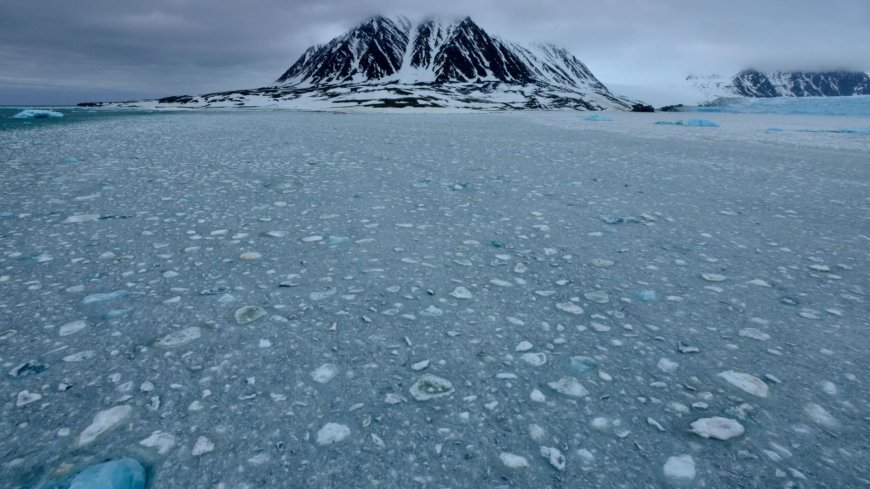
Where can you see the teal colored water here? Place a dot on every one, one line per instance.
(71, 115)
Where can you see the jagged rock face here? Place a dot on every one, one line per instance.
(753, 83)
(385, 50)
(373, 50)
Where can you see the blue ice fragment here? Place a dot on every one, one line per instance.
(701, 123)
(125, 473)
(774, 129)
(690, 123)
(37, 114)
(337, 240)
(117, 313)
(646, 295)
(105, 296)
(70, 160)
(583, 365)
(597, 118)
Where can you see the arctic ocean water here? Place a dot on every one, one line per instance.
(280, 299)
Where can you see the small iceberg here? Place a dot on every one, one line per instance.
(689, 123)
(119, 474)
(597, 118)
(37, 114)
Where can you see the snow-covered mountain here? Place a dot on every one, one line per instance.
(396, 63)
(757, 84)
(753, 83)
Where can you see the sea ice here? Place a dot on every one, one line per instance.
(680, 469)
(249, 314)
(555, 457)
(103, 421)
(125, 473)
(569, 386)
(202, 446)
(332, 433)
(745, 382)
(717, 427)
(324, 373)
(429, 387)
(513, 461)
(820, 415)
(179, 338)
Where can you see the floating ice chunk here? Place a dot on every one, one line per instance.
(513, 461)
(324, 373)
(646, 295)
(25, 397)
(717, 427)
(322, 294)
(420, 365)
(75, 219)
(105, 296)
(534, 359)
(337, 240)
(163, 442)
(179, 338)
(569, 386)
(37, 114)
(461, 293)
(601, 263)
(667, 365)
(125, 473)
(250, 255)
(80, 356)
(276, 234)
(745, 382)
(312, 239)
(754, 333)
(713, 277)
(103, 422)
(432, 311)
(820, 415)
(72, 327)
(829, 388)
(524, 346)
(332, 433)
(555, 457)
(429, 387)
(570, 308)
(537, 396)
(536, 432)
(598, 296)
(680, 469)
(501, 283)
(202, 446)
(249, 314)
(597, 118)
(583, 365)
(758, 282)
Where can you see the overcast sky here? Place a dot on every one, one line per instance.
(67, 51)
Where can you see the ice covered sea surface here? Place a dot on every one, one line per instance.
(273, 299)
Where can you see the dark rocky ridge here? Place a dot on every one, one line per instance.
(392, 62)
(754, 83)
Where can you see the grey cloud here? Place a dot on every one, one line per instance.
(58, 51)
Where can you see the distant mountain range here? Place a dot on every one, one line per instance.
(757, 84)
(395, 63)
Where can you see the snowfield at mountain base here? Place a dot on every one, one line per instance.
(283, 299)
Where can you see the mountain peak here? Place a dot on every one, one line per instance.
(394, 62)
